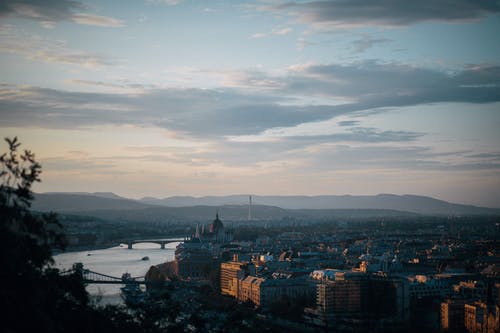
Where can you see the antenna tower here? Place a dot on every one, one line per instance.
(249, 208)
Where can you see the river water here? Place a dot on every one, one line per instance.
(115, 261)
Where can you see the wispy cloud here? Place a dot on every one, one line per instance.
(37, 48)
(48, 13)
(401, 84)
(165, 2)
(366, 42)
(122, 87)
(51, 11)
(360, 13)
(96, 20)
(274, 32)
(232, 112)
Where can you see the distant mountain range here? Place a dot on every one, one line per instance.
(111, 206)
(407, 203)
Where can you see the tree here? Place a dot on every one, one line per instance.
(29, 288)
(26, 237)
(33, 295)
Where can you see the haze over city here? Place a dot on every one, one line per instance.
(161, 98)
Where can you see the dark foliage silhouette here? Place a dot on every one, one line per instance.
(33, 295)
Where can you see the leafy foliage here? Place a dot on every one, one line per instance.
(33, 295)
(25, 237)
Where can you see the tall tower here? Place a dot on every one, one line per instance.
(197, 232)
(249, 208)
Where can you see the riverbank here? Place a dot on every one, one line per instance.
(87, 248)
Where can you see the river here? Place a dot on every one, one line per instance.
(115, 261)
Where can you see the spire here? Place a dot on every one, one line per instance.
(197, 232)
(216, 225)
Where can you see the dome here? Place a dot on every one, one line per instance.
(216, 224)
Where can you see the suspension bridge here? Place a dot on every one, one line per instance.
(91, 277)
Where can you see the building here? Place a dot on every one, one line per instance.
(389, 298)
(471, 290)
(264, 292)
(423, 286)
(192, 260)
(216, 233)
(452, 315)
(354, 298)
(272, 290)
(346, 297)
(250, 289)
(481, 318)
(230, 273)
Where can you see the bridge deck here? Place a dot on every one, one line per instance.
(113, 282)
(91, 277)
(162, 242)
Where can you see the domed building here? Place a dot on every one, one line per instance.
(216, 232)
(216, 225)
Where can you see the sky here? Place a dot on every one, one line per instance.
(171, 97)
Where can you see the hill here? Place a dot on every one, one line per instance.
(112, 207)
(73, 202)
(408, 203)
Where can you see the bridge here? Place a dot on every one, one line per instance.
(91, 277)
(162, 242)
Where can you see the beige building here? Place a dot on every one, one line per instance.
(452, 315)
(250, 289)
(263, 292)
(482, 318)
(230, 273)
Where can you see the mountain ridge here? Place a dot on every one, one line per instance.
(82, 201)
(408, 202)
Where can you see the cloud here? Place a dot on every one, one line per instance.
(371, 85)
(259, 35)
(327, 131)
(366, 42)
(41, 10)
(274, 32)
(96, 20)
(352, 157)
(255, 79)
(195, 112)
(71, 163)
(165, 2)
(38, 48)
(283, 31)
(360, 13)
(302, 43)
(486, 156)
(348, 123)
(219, 113)
(48, 12)
(123, 87)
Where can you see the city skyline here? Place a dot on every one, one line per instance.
(162, 98)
